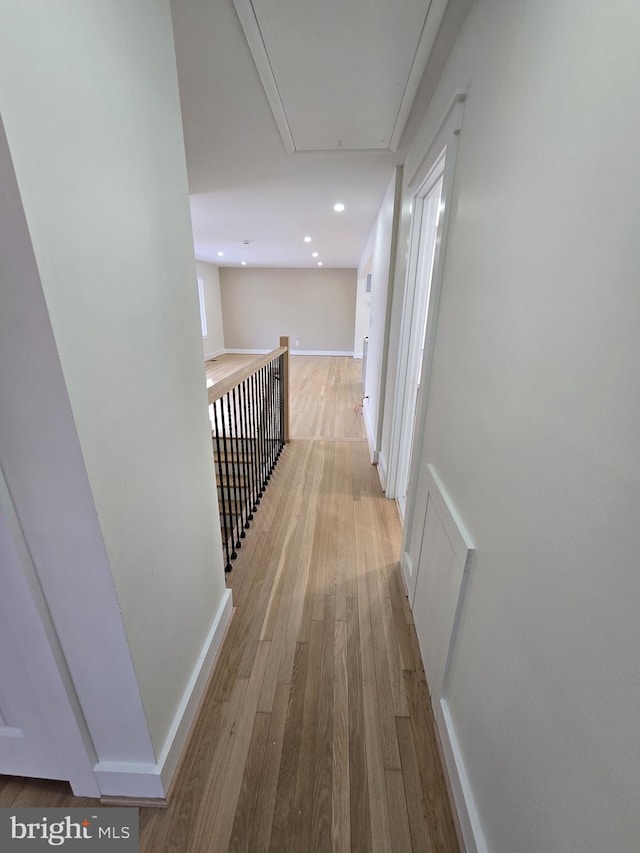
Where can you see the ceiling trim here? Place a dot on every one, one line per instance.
(249, 23)
(432, 22)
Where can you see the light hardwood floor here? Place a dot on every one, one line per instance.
(315, 733)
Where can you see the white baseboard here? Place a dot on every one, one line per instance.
(382, 471)
(368, 431)
(291, 352)
(120, 779)
(470, 827)
(406, 564)
(320, 352)
(152, 781)
(209, 355)
(185, 715)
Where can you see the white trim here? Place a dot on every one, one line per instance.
(463, 550)
(382, 470)
(419, 275)
(368, 431)
(442, 146)
(203, 308)
(209, 355)
(120, 779)
(183, 720)
(345, 353)
(433, 308)
(253, 34)
(406, 564)
(470, 826)
(251, 28)
(456, 531)
(450, 125)
(431, 25)
(152, 781)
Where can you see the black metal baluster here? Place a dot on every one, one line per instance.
(281, 401)
(272, 407)
(227, 443)
(263, 431)
(217, 410)
(269, 425)
(256, 440)
(252, 428)
(248, 433)
(278, 409)
(239, 526)
(258, 436)
(267, 419)
(247, 461)
(258, 445)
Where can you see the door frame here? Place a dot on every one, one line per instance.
(444, 143)
(416, 296)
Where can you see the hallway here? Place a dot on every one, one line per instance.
(316, 732)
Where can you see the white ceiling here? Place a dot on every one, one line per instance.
(331, 72)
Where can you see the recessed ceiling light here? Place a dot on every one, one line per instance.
(243, 263)
(319, 263)
(220, 254)
(314, 254)
(307, 239)
(338, 207)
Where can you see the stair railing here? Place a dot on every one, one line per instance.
(249, 413)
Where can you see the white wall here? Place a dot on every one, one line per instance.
(89, 98)
(315, 307)
(213, 343)
(379, 258)
(534, 417)
(61, 554)
(363, 315)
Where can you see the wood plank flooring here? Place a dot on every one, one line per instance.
(315, 732)
(324, 392)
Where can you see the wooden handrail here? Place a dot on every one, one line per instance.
(221, 388)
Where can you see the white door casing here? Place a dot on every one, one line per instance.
(426, 234)
(438, 161)
(445, 140)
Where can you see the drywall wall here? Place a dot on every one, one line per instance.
(46, 498)
(313, 306)
(213, 343)
(377, 260)
(89, 98)
(533, 417)
(363, 316)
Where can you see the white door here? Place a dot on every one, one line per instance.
(39, 735)
(416, 317)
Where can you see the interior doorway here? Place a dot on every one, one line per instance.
(425, 237)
